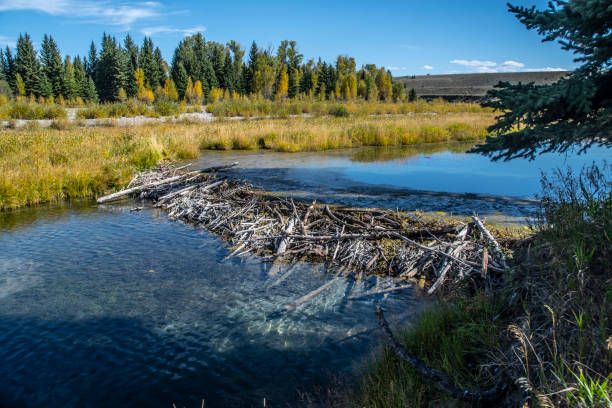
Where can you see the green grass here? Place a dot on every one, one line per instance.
(554, 310)
(448, 337)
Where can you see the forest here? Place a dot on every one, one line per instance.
(199, 69)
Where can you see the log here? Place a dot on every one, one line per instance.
(312, 294)
(477, 398)
(136, 189)
(284, 241)
(380, 291)
(447, 262)
(485, 262)
(495, 246)
(217, 168)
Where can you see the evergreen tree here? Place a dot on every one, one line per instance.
(27, 65)
(8, 66)
(69, 85)
(3, 73)
(131, 50)
(249, 72)
(147, 63)
(160, 66)
(91, 62)
(180, 79)
(576, 109)
(293, 83)
(110, 70)
(80, 77)
(412, 96)
(46, 89)
(52, 64)
(90, 93)
(237, 67)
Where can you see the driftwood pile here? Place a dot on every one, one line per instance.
(356, 242)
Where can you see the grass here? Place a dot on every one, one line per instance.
(260, 107)
(31, 110)
(45, 165)
(547, 326)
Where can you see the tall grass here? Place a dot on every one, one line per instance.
(31, 110)
(257, 106)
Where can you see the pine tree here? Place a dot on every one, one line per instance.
(412, 96)
(8, 64)
(90, 93)
(131, 50)
(46, 89)
(91, 62)
(293, 83)
(3, 73)
(160, 66)
(69, 86)
(110, 70)
(180, 79)
(249, 72)
(27, 65)
(576, 110)
(52, 64)
(80, 77)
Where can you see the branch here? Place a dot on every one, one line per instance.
(440, 380)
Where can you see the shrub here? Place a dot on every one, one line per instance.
(339, 111)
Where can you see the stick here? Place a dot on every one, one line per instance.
(485, 262)
(475, 397)
(217, 168)
(496, 248)
(377, 292)
(282, 245)
(312, 294)
(122, 193)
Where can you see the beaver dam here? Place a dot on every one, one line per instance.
(355, 242)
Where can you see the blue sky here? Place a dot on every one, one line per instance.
(409, 37)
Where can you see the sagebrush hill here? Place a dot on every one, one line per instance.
(471, 86)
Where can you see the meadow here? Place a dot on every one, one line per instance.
(45, 165)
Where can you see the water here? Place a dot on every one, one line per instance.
(104, 307)
(435, 177)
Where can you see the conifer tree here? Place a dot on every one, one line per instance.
(3, 74)
(249, 72)
(8, 66)
(91, 61)
(69, 86)
(45, 87)
(576, 110)
(412, 96)
(131, 50)
(110, 70)
(27, 65)
(160, 66)
(90, 93)
(52, 64)
(180, 79)
(80, 77)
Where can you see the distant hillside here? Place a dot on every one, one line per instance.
(471, 86)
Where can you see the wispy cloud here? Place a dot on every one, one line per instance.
(506, 66)
(99, 10)
(165, 29)
(4, 41)
(392, 68)
(427, 67)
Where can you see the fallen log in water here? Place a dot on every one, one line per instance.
(363, 241)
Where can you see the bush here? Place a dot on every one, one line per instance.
(339, 111)
(166, 108)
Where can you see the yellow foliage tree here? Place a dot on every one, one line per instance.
(283, 83)
(170, 90)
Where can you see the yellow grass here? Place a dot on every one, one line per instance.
(46, 165)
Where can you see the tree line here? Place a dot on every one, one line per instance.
(199, 69)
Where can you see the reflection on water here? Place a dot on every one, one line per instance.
(101, 307)
(428, 177)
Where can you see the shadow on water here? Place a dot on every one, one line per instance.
(103, 307)
(110, 362)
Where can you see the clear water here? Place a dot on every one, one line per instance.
(434, 177)
(103, 307)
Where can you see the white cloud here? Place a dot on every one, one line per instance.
(4, 41)
(427, 67)
(165, 29)
(473, 63)
(547, 69)
(99, 10)
(491, 66)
